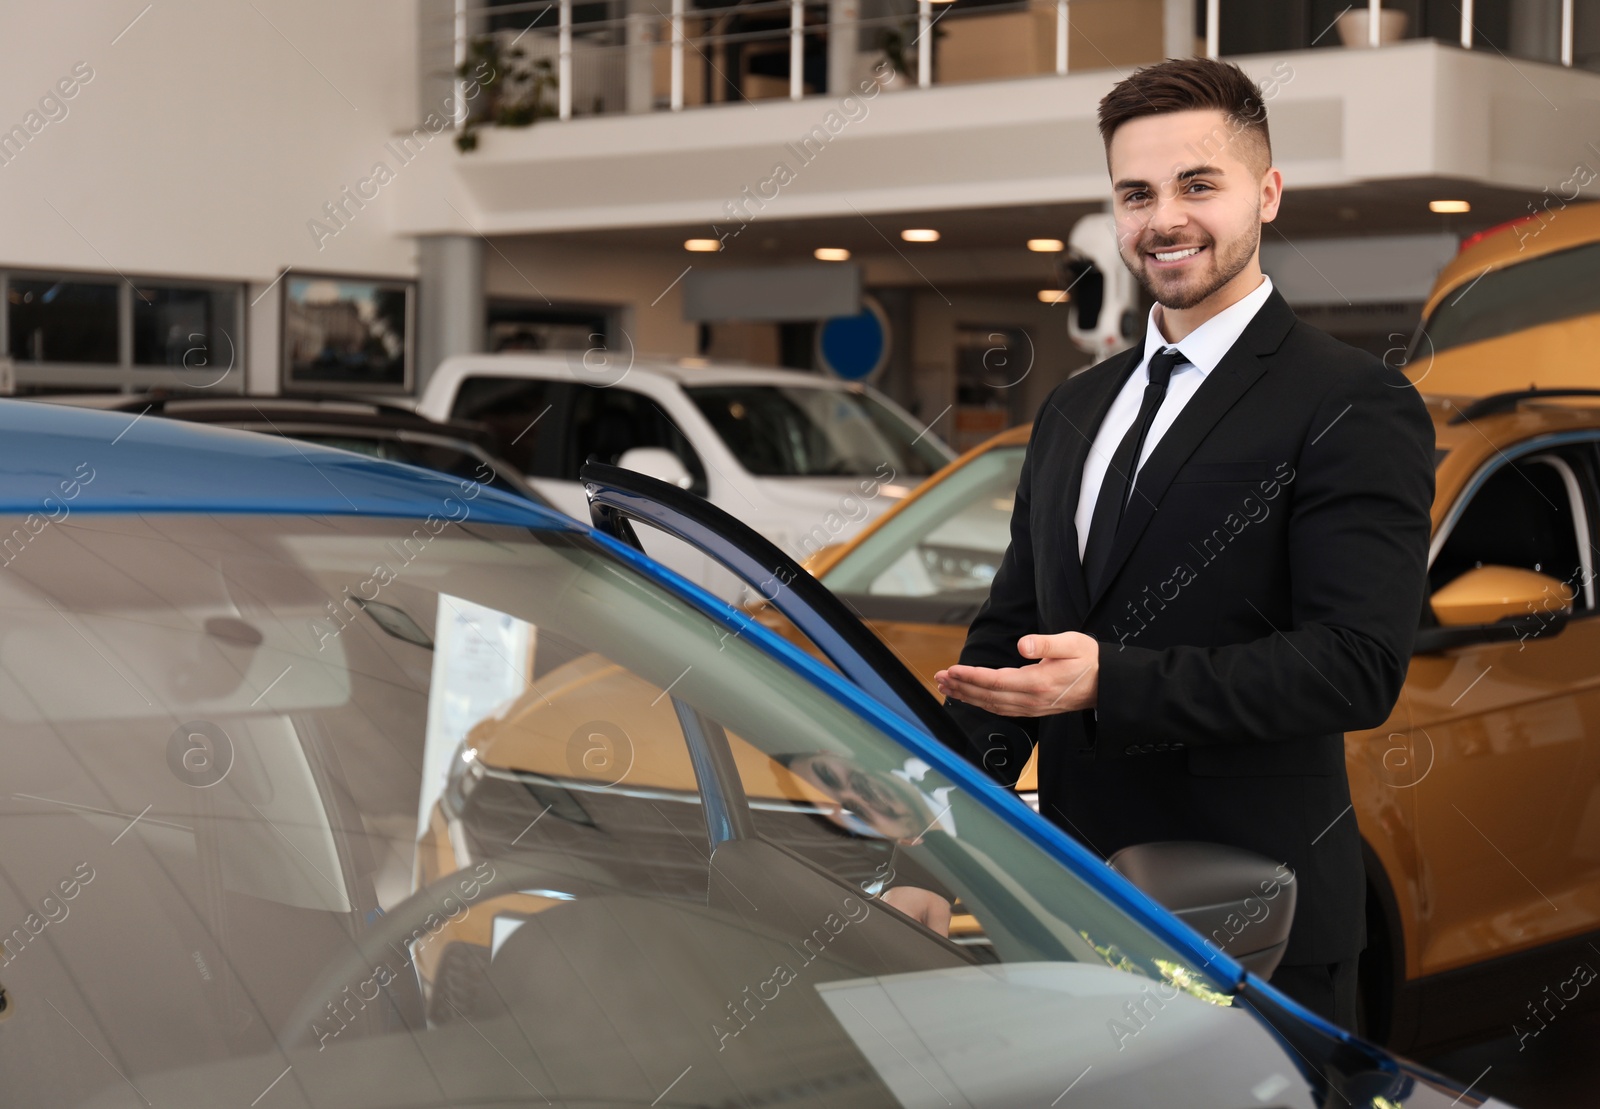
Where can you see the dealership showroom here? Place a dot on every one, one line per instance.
(1044, 523)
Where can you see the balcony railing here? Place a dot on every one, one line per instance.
(513, 63)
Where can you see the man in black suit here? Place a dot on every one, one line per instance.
(1218, 547)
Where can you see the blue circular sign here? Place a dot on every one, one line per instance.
(855, 347)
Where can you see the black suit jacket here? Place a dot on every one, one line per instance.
(1260, 600)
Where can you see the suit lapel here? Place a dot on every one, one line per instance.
(1233, 376)
(1080, 426)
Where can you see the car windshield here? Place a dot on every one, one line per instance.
(394, 812)
(796, 431)
(932, 562)
(1503, 300)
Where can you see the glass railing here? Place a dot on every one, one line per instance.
(517, 63)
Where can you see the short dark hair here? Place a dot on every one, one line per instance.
(1189, 84)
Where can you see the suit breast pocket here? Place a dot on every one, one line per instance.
(1245, 469)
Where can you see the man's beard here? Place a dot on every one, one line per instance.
(1225, 268)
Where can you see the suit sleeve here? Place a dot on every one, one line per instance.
(1358, 536)
(1001, 745)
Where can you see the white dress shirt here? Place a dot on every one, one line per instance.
(1204, 347)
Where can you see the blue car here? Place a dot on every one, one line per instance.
(335, 782)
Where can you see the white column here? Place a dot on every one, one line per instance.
(1374, 23)
(459, 55)
(1566, 32)
(1061, 36)
(1213, 28)
(564, 63)
(638, 75)
(1466, 24)
(797, 49)
(450, 300)
(260, 348)
(677, 55)
(844, 42)
(1177, 31)
(924, 43)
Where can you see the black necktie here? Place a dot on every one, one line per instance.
(1116, 486)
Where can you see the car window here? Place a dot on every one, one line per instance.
(1522, 294)
(429, 806)
(789, 431)
(440, 457)
(1527, 514)
(933, 560)
(453, 460)
(606, 422)
(524, 416)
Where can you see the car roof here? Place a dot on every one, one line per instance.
(369, 413)
(332, 420)
(124, 462)
(1512, 243)
(686, 372)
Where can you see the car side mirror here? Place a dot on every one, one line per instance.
(1237, 900)
(657, 462)
(1491, 604)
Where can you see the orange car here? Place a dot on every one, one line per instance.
(1519, 303)
(1479, 799)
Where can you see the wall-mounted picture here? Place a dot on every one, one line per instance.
(347, 333)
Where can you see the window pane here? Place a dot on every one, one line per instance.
(1521, 517)
(517, 412)
(781, 431)
(608, 422)
(939, 555)
(436, 801)
(62, 321)
(1560, 286)
(189, 328)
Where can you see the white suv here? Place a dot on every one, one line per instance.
(804, 459)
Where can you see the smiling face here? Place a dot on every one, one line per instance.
(1190, 191)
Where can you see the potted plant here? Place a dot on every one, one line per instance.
(507, 89)
(1355, 28)
(899, 39)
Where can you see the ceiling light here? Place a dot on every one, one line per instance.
(1054, 296)
(1449, 206)
(1046, 246)
(920, 235)
(831, 254)
(702, 245)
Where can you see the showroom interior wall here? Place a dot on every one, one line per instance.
(641, 286)
(1030, 371)
(208, 138)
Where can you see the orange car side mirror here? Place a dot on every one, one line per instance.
(1492, 604)
(1492, 593)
